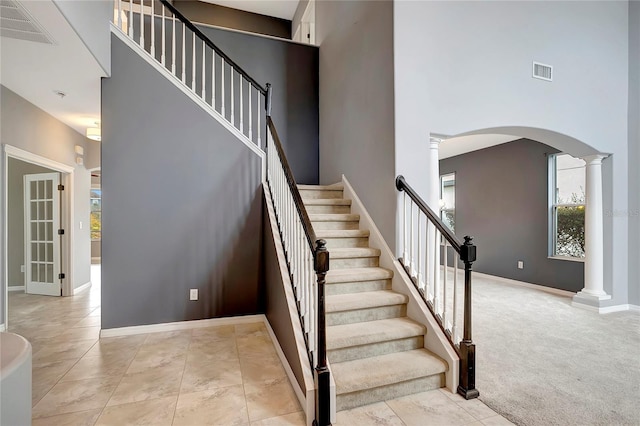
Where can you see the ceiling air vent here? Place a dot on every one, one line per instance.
(542, 71)
(16, 22)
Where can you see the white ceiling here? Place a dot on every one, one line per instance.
(450, 147)
(279, 8)
(35, 70)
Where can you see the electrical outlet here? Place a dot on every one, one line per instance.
(21, 268)
(520, 264)
(193, 294)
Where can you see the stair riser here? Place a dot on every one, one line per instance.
(346, 242)
(322, 193)
(371, 314)
(375, 349)
(328, 209)
(355, 262)
(357, 287)
(385, 393)
(335, 225)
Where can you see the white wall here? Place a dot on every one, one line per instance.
(356, 102)
(466, 66)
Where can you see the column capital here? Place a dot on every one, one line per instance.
(434, 142)
(594, 158)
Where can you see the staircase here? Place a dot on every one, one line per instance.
(376, 352)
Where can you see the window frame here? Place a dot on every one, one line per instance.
(92, 211)
(552, 210)
(441, 198)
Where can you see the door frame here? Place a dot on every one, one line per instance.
(66, 217)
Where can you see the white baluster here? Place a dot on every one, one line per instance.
(454, 329)
(120, 14)
(404, 228)
(419, 270)
(173, 46)
(250, 112)
(241, 111)
(222, 94)
(130, 34)
(184, 55)
(258, 118)
(232, 98)
(152, 28)
(411, 259)
(444, 289)
(204, 69)
(163, 55)
(213, 79)
(142, 23)
(436, 284)
(193, 61)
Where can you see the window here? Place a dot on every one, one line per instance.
(96, 214)
(567, 206)
(448, 200)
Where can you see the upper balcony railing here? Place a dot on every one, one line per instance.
(187, 53)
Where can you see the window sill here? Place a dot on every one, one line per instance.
(570, 259)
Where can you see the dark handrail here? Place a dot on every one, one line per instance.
(402, 185)
(297, 199)
(209, 43)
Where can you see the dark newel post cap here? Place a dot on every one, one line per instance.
(399, 182)
(321, 257)
(468, 250)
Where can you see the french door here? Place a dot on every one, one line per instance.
(42, 241)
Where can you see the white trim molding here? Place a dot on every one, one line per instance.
(180, 325)
(607, 309)
(83, 287)
(15, 288)
(556, 291)
(2, 328)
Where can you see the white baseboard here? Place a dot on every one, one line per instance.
(551, 290)
(81, 288)
(2, 327)
(15, 288)
(180, 325)
(285, 363)
(607, 309)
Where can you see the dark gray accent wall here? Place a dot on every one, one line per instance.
(16, 171)
(357, 103)
(181, 204)
(213, 14)
(502, 201)
(634, 152)
(292, 70)
(276, 308)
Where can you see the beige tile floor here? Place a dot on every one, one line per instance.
(225, 375)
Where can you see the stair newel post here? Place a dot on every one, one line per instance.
(467, 385)
(322, 374)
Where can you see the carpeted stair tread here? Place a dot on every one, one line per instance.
(334, 217)
(353, 252)
(327, 202)
(357, 274)
(363, 300)
(332, 187)
(363, 333)
(382, 370)
(342, 233)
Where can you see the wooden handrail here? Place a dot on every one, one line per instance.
(291, 182)
(212, 45)
(402, 185)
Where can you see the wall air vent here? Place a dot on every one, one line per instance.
(16, 22)
(542, 71)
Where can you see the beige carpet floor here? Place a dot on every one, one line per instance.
(542, 362)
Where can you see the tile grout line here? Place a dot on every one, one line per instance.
(244, 390)
(184, 369)
(394, 412)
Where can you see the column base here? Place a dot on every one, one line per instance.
(589, 301)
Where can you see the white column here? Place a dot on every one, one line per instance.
(594, 234)
(433, 200)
